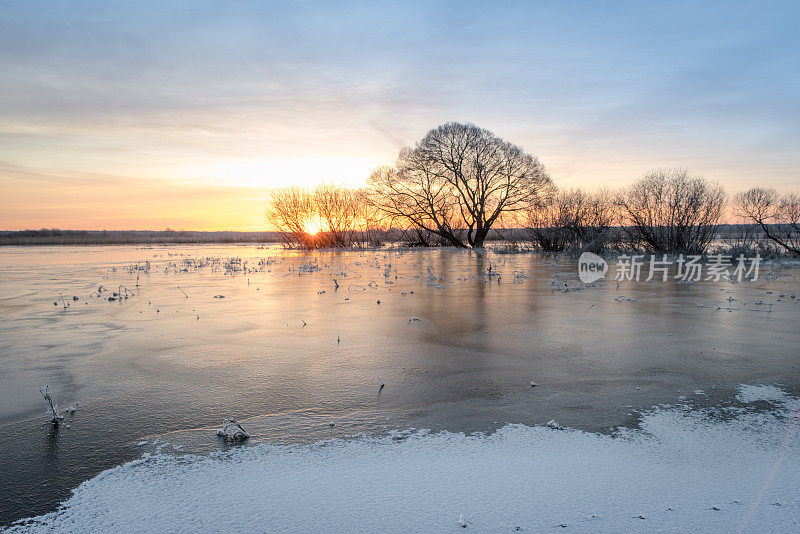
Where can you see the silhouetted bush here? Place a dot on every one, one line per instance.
(325, 216)
(572, 219)
(777, 216)
(671, 211)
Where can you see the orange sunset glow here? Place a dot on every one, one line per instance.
(116, 124)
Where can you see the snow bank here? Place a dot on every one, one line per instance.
(683, 471)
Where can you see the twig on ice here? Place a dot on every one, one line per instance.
(45, 391)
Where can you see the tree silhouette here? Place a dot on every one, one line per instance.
(457, 182)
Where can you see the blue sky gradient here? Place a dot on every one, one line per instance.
(217, 99)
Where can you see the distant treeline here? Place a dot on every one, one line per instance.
(727, 235)
(54, 236)
(130, 237)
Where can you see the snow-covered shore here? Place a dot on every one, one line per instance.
(682, 471)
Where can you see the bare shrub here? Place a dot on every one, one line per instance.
(290, 209)
(374, 228)
(549, 226)
(339, 210)
(325, 216)
(594, 230)
(572, 219)
(671, 211)
(777, 216)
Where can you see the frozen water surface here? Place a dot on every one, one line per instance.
(456, 345)
(683, 471)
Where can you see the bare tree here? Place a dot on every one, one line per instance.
(289, 211)
(339, 209)
(326, 216)
(457, 181)
(671, 211)
(778, 216)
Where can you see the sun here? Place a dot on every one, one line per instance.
(314, 226)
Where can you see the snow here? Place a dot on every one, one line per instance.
(749, 393)
(683, 471)
(552, 424)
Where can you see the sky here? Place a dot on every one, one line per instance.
(147, 115)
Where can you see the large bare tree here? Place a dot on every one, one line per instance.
(457, 182)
